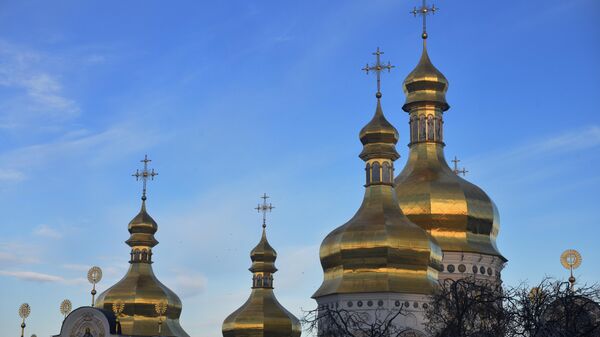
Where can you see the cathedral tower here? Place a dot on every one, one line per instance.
(262, 315)
(379, 260)
(458, 214)
(139, 291)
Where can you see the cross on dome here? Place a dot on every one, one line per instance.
(378, 68)
(264, 208)
(423, 11)
(144, 175)
(456, 170)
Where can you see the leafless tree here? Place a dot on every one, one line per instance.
(333, 322)
(555, 309)
(468, 307)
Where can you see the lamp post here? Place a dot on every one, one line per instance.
(571, 259)
(94, 276)
(24, 311)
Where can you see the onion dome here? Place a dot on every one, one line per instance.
(262, 315)
(139, 290)
(379, 137)
(425, 85)
(379, 249)
(458, 214)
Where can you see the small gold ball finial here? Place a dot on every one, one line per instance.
(424, 36)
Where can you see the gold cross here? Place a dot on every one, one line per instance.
(378, 68)
(144, 175)
(457, 171)
(264, 208)
(424, 11)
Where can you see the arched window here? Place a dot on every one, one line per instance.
(430, 127)
(438, 129)
(144, 255)
(259, 281)
(386, 175)
(422, 128)
(136, 254)
(414, 128)
(368, 171)
(376, 172)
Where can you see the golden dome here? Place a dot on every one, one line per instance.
(425, 84)
(262, 315)
(379, 249)
(379, 137)
(458, 214)
(139, 290)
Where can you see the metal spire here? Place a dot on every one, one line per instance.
(456, 170)
(423, 11)
(264, 208)
(145, 175)
(378, 68)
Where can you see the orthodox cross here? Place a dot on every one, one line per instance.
(457, 171)
(423, 11)
(144, 175)
(264, 208)
(378, 68)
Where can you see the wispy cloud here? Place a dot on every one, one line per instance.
(47, 231)
(11, 175)
(188, 284)
(40, 277)
(36, 94)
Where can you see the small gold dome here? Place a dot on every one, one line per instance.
(379, 137)
(425, 84)
(139, 290)
(262, 315)
(379, 249)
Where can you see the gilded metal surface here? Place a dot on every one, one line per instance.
(570, 259)
(454, 211)
(139, 291)
(379, 249)
(262, 315)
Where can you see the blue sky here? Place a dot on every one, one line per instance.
(235, 98)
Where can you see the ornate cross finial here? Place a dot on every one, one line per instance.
(264, 208)
(378, 68)
(423, 11)
(144, 175)
(456, 170)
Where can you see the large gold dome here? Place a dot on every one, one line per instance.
(379, 249)
(458, 214)
(139, 290)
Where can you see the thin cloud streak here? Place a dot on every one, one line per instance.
(40, 277)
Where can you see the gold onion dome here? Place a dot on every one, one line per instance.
(379, 249)
(425, 84)
(139, 292)
(262, 315)
(458, 214)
